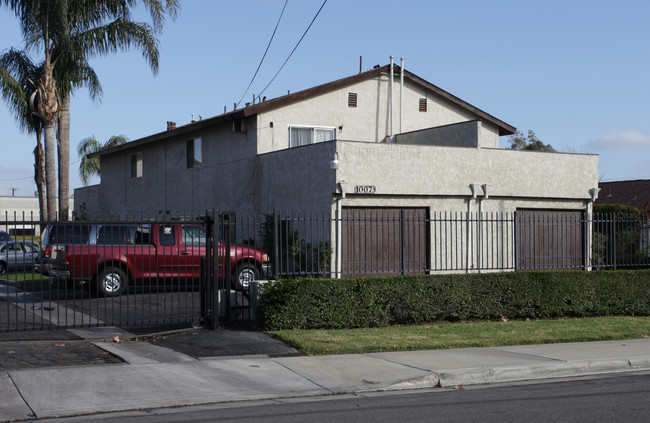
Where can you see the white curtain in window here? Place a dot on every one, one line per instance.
(321, 135)
(300, 136)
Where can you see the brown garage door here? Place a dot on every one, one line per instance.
(384, 241)
(549, 239)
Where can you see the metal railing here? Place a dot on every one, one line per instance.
(359, 242)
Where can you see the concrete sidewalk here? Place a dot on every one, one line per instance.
(155, 377)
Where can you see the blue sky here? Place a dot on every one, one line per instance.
(575, 72)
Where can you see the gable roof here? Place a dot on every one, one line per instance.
(634, 193)
(504, 128)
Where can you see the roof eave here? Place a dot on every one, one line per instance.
(181, 130)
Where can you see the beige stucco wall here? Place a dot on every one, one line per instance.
(232, 177)
(449, 171)
(369, 121)
(222, 181)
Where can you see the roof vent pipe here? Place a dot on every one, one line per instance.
(390, 99)
(401, 93)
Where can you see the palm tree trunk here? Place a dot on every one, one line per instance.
(63, 149)
(50, 170)
(45, 104)
(39, 176)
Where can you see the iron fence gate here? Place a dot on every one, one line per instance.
(104, 272)
(234, 264)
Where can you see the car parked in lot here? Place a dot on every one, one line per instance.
(17, 255)
(4, 237)
(108, 257)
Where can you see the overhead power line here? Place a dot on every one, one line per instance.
(294, 49)
(16, 179)
(265, 51)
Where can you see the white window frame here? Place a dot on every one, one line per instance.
(137, 165)
(194, 153)
(314, 129)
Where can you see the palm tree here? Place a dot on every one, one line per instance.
(97, 27)
(92, 166)
(17, 76)
(69, 33)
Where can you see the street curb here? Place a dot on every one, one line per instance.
(503, 374)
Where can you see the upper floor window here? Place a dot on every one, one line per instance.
(303, 135)
(238, 125)
(136, 165)
(194, 153)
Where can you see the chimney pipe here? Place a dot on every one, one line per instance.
(390, 99)
(401, 93)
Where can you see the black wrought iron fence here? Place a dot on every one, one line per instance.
(189, 269)
(115, 272)
(620, 242)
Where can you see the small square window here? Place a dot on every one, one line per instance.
(136, 165)
(194, 153)
(423, 104)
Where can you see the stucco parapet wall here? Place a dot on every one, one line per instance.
(394, 169)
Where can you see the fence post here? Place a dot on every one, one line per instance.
(615, 260)
(517, 241)
(588, 234)
(215, 302)
(254, 295)
(226, 229)
(276, 245)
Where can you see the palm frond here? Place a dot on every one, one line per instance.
(121, 35)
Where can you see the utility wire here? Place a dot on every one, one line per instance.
(294, 49)
(16, 179)
(265, 51)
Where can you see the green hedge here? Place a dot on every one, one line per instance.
(383, 301)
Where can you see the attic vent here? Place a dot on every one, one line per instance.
(352, 99)
(423, 104)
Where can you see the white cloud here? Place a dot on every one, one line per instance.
(620, 140)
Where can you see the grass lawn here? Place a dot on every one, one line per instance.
(464, 335)
(24, 278)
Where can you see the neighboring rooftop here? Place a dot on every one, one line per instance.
(635, 193)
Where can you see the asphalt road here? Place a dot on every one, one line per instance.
(607, 399)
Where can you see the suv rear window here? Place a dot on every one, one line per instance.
(114, 235)
(67, 234)
(124, 235)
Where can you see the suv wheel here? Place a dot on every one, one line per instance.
(245, 274)
(111, 282)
